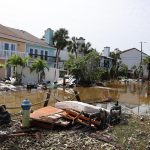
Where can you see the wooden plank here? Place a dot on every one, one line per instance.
(45, 111)
(72, 115)
(50, 115)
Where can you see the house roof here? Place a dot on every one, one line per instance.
(132, 49)
(106, 57)
(20, 35)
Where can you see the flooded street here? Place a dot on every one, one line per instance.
(135, 96)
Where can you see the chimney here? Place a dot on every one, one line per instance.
(81, 40)
(106, 51)
(48, 36)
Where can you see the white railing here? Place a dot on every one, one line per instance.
(5, 54)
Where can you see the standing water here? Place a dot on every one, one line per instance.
(131, 95)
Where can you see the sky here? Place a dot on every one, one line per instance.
(119, 24)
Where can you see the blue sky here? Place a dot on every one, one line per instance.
(115, 23)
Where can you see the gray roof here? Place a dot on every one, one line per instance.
(20, 35)
(131, 50)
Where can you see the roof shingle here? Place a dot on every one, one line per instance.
(20, 35)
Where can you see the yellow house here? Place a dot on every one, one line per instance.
(10, 44)
(20, 42)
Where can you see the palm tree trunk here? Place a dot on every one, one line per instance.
(38, 77)
(21, 75)
(16, 74)
(76, 54)
(57, 58)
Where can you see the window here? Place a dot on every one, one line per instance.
(42, 54)
(46, 55)
(13, 47)
(31, 53)
(10, 46)
(106, 63)
(6, 46)
(36, 53)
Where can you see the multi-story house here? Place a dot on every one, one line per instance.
(15, 41)
(10, 44)
(134, 57)
(105, 59)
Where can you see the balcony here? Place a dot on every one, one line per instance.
(49, 59)
(5, 54)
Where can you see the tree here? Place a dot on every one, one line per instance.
(123, 70)
(115, 64)
(39, 65)
(15, 60)
(60, 42)
(115, 56)
(146, 61)
(135, 71)
(73, 46)
(86, 48)
(24, 63)
(85, 68)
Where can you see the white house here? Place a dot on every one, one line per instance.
(106, 60)
(132, 57)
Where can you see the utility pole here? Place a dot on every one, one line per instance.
(140, 75)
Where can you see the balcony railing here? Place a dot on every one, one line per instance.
(5, 54)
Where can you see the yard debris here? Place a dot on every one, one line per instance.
(4, 115)
(48, 117)
(69, 113)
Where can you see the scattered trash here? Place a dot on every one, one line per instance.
(4, 116)
(47, 117)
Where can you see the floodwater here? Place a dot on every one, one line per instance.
(132, 95)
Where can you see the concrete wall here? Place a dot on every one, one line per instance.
(2, 73)
(33, 77)
(2, 70)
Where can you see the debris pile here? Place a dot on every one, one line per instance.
(68, 113)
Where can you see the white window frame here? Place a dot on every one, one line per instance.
(9, 46)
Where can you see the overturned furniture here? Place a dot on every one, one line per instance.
(84, 113)
(68, 113)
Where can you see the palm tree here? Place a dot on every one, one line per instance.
(73, 46)
(146, 61)
(115, 64)
(115, 56)
(15, 60)
(123, 70)
(39, 65)
(86, 48)
(60, 41)
(24, 64)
